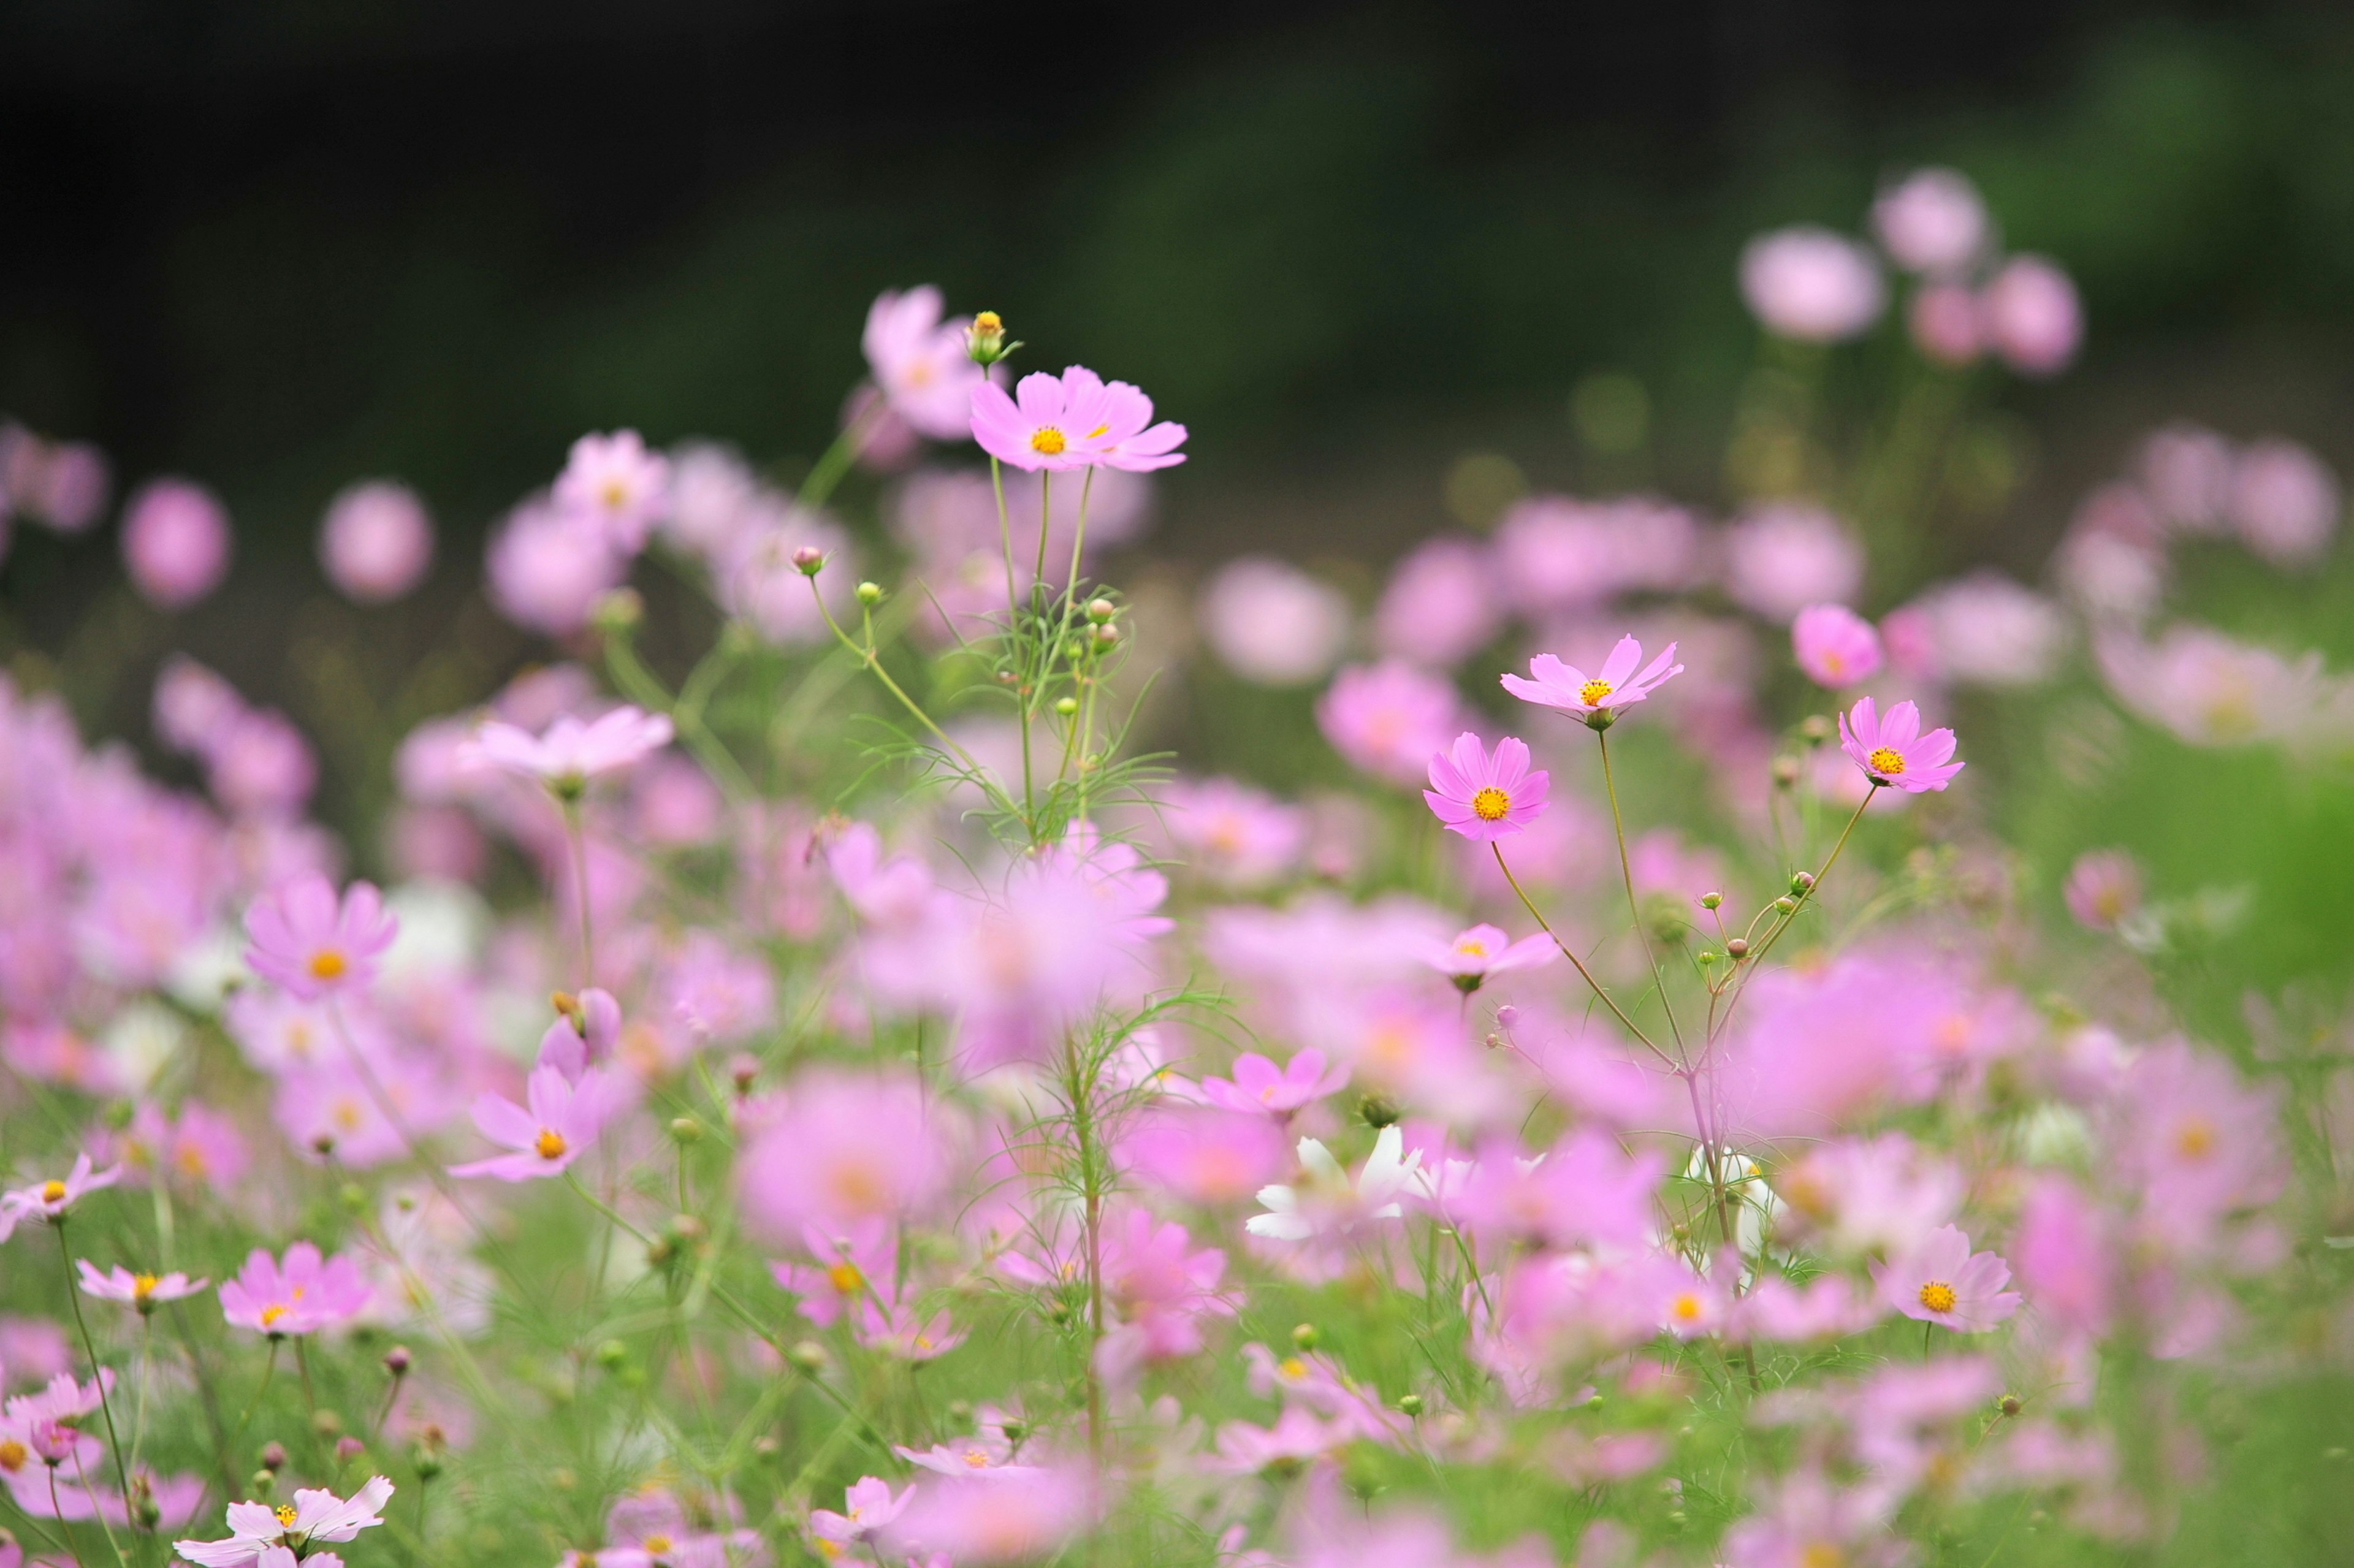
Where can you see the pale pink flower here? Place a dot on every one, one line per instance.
(1072, 421)
(314, 944)
(921, 362)
(376, 543)
(1941, 1281)
(2032, 315)
(616, 482)
(548, 566)
(1260, 1087)
(1271, 623)
(1810, 284)
(2066, 1256)
(308, 1293)
(1486, 797)
(558, 1123)
(1441, 605)
(868, 1505)
(1948, 323)
(1781, 557)
(1992, 631)
(1933, 221)
(2187, 471)
(2211, 689)
(1387, 718)
(51, 1199)
(2103, 887)
(1012, 1518)
(1234, 835)
(1596, 699)
(570, 753)
(1893, 751)
(1836, 647)
(262, 1536)
(145, 1291)
(847, 1148)
(2284, 502)
(176, 542)
(1479, 954)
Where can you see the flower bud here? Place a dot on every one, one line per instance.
(426, 1462)
(1409, 1405)
(263, 1483)
(1785, 772)
(611, 1353)
(807, 1356)
(984, 340)
(273, 1456)
(870, 594)
(617, 611)
(1707, 958)
(686, 1131)
(1738, 948)
(1711, 900)
(809, 561)
(1379, 1111)
(348, 1448)
(1507, 1015)
(1107, 636)
(2011, 1405)
(1016, 1430)
(1786, 905)
(768, 1445)
(396, 1361)
(1305, 1335)
(1101, 609)
(1816, 728)
(1802, 883)
(143, 1505)
(1067, 706)
(1601, 719)
(327, 1424)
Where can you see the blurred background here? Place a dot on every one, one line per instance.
(1392, 263)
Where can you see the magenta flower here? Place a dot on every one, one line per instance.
(51, 1198)
(867, 1506)
(1260, 1087)
(616, 482)
(145, 1291)
(569, 753)
(1485, 951)
(921, 363)
(313, 945)
(376, 543)
(1893, 751)
(1809, 284)
(559, 1124)
(1485, 797)
(307, 1294)
(1596, 699)
(1074, 420)
(1835, 646)
(1387, 718)
(175, 543)
(257, 1530)
(2103, 887)
(1942, 1281)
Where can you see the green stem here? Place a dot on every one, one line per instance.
(1633, 911)
(1587, 975)
(89, 1349)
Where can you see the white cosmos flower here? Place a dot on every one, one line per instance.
(1325, 1204)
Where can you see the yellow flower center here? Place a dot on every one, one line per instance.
(53, 1191)
(657, 1544)
(976, 1458)
(142, 1286)
(1048, 442)
(327, 964)
(988, 321)
(1887, 761)
(286, 1515)
(1593, 691)
(846, 1279)
(829, 1548)
(2195, 1138)
(1472, 949)
(1293, 1368)
(550, 1144)
(1687, 1308)
(272, 1313)
(1491, 803)
(1821, 1554)
(1937, 1296)
(13, 1455)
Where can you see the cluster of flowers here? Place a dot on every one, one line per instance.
(966, 1151)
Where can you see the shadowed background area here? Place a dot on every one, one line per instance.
(280, 246)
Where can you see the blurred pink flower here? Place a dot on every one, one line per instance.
(1271, 623)
(616, 483)
(307, 1294)
(376, 543)
(52, 1199)
(848, 1146)
(1807, 283)
(193, 706)
(559, 1124)
(1212, 1158)
(1071, 421)
(2032, 316)
(547, 566)
(1941, 1281)
(1483, 951)
(1235, 836)
(145, 1291)
(1836, 647)
(1598, 697)
(2211, 689)
(1781, 557)
(313, 945)
(1932, 221)
(569, 753)
(1009, 1519)
(259, 763)
(1948, 323)
(2103, 887)
(2186, 471)
(1893, 751)
(868, 1504)
(2284, 502)
(2065, 1256)
(176, 541)
(1486, 797)
(1441, 605)
(1260, 1087)
(1388, 718)
(1991, 632)
(921, 363)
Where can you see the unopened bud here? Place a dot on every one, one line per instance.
(1107, 636)
(611, 1353)
(327, 1424)
(1067, 706)
(768, 1445)
(1711, 900)
(1305, 1335)
(1817, 729)
(425, 1461)
(685, 1130)
(809, 561)
(1738, 947)
(348, 1448)
(744, 1071)
(1601, 719)
(1708, 957)
(617, 611)
(2011, 1405)
(1409, 1405)
(870, 594)
(353, 1195)
(274, 1455)
(807, 1356)
(263, 1483)
(1379, 1111)
(396, 1361)
(1785, 772)
(1507, 1015)
(1101, 609)
(1802, 883)
(1786, 905)
(1016, 1430)
(143, 1505)
(985, 339)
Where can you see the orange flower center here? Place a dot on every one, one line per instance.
(1821, 1554)
(142, 1286)
(657, 1544)
(327, 964)
(1593, 691)
(550, 1144)
(1491, 803)
(1048, 442)
(1687, 1308)
(1887, 761)
(1937, 1296)
(846, 1279)
(53, 1191)
(286, 1515)
(2195, 1138)
(13, 1455)
(271, 1314)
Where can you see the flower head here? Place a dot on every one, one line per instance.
(1893, 751)
(1261, 1088)
(921, 363)
(1942, 1281)
(569, 753)
(1325, 1204)
(313, 945)
(866, 1507)
(559, 1123)
(1075, 420)
(145, 1291)
(1484, 950)
(51, 1198)
(259, 1533)
(1835, 646)
(1485, 797)
(616, 482)
(305, 1295)
(1596, 698)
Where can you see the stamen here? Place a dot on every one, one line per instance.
(1687, 1308)
(846, 1279)
(286, 1515)
(1593, 691)
(551, 1145)
(327, 964)
(53, 1191)
(1048, 442)
(1938, 1296)
(1491, 803)
(2195, 1137)
(1887, 761)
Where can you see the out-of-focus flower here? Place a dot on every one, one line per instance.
(1486, 797)
(1234, 835)
(259, 763)
(2186, 471)
(145, 1291)
(1948, 323)
(1271, 623)
(1441, 605)
(920, 363)
(59, 484)
(2211, 689)
(1932, 221)
(259, 1533)
(559, 1122)
(1893, 751)
(1942, 1281)
(1325, 1204)
(867, 1504)
(846, 1147)
(547, 566)
(1990, 631)
(615, 482)
(176, 542)
(2103, 887)
(305, 1295)
(1388, 718)
(53, 1198)
(1074, 420)
(1836, 647)
(315, 944)
(570, 753)
(1599, 697)
(2284, 502)
(376, 542)
(1809, 284)
(1780, 558)
(1260, 1087)
(1009, 1519)
(193, 706)
(1478, 955)
(2032, 316)
(761, 584)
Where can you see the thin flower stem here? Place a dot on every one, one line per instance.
(1005, 538)
(90, 1348)
(835, 460)
(1633, 911)
(268, 1371)
(578, 835)
(1749, 965)
(1570, 953)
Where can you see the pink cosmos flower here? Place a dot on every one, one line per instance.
(313, 946)
(1485, 797)
(1933, 221)
(1442, 604)
(1784, 556)
(921, 362)
(569, 753)
(618, 484)
(547, 566)
(1161, 1288)
(1596, 699)
(867, 1506)
(1387, 718)
(1946, 324)
(1206, 1157)
(585, 1034)
(1271, 623)
(1260, 1087)
(1013, 1518)
(1835, 646)
(176, 542)
(2284, 502)
(559, 1124)
(1484, 950)
(1071, 421)
(1810, 284)
(307, 1294)
(145, 1291)
(847, 1148)
(376, 543)
(1942, 1281)
(1893, 751)
(1237, 836)
(2033, 316)
(51, 1198)
(2104, 888)
(2067, 1257)
(261, 1534)
(853, 1261)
